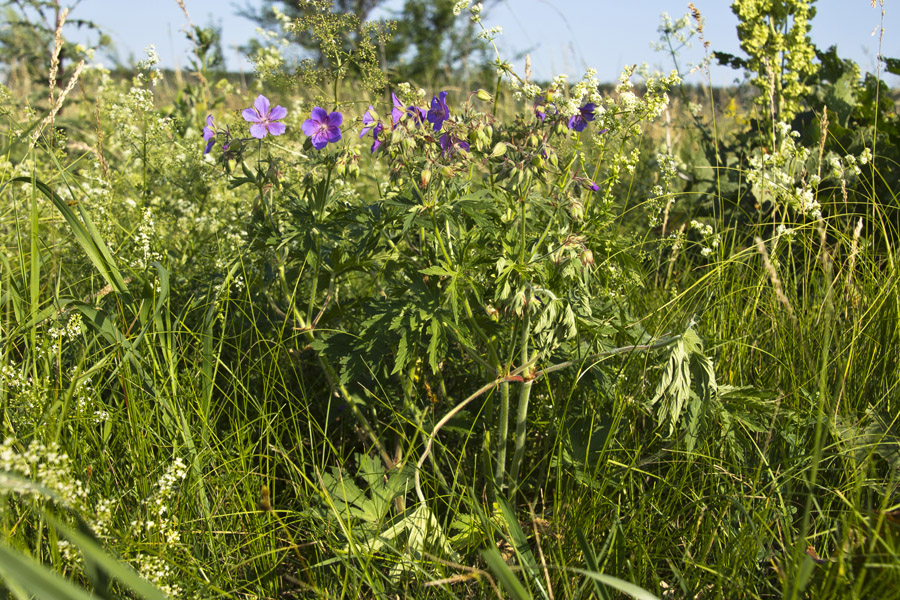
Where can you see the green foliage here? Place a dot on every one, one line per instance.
(276, 371)
(422, 39)
(774, 34)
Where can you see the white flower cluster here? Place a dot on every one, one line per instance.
(711, 240)
(146, 69)
(282, 18)
(267, 58)
(46, 466)
(143, 239)
(702, 228)
(627, 112)
(490, 34)
(70, 330)
(158, 572)
(783, 231)
(865, 156)
(779, 176)
(13, 378)
(159, 523)
(85, 398)
(679, 31)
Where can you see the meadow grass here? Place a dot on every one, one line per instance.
(185, 400)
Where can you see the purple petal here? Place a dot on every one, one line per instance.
(378, 129)
(208, 133)
(309, 127)
(251, 115)
(279, 112)
(319, 140)
(262, 105)
(335, 119)
(369, 116)
(463, 146)
(368, 120)
(319, 115)
(209, 122)
(276, 128)
(334, 134)
(398, 111)
(258, 130)
(209, 146)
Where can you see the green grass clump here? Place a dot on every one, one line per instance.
(655, 358)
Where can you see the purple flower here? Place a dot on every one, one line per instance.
(377, 130)
(398, 111)
(541, 107)
(368, 121)
(439, 112)
(323, 127)
(264, 118)
(580, 121)
(450, 144)
(209, 134)
(372, 123)
(418, 114)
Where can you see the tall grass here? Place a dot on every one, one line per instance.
(169, 419)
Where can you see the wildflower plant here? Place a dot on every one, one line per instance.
(491, 243)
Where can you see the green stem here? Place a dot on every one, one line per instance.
(502, 437)
(521, 411)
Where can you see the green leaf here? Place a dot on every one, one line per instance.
(438, 270)
(520, 543)
(504, 575)
(39, 582)
(625, 587)
(591, 561)
(96, 555)
(437, 345)
(85, 234)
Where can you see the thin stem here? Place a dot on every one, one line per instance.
(502, 436)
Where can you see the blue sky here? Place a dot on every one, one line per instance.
(563, 36)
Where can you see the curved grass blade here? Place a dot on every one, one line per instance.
(504, 574)
(103, 563)
(85, 233)
(636, 592)
(39, 582)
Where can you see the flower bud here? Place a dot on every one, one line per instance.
(576, 209)
(499, 150)
(587, 258)
(484, 95)
(537, 161)
(425, 179)
(554, 159)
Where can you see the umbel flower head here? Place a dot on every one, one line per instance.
(323, 127)
(264, 119)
